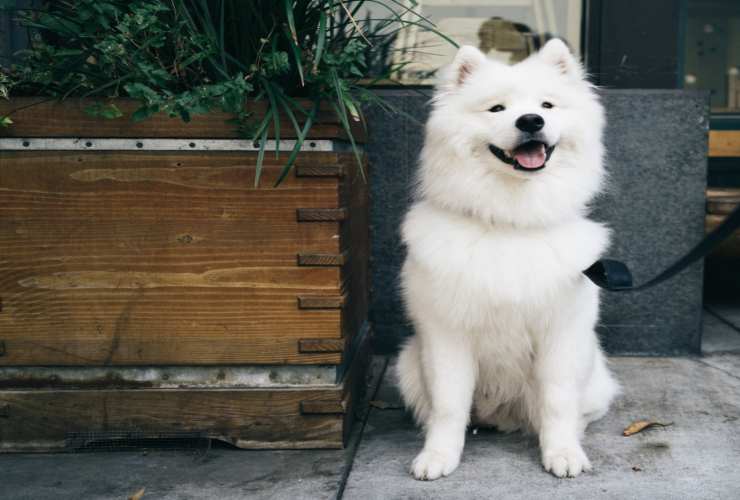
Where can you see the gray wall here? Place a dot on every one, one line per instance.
(657, 146)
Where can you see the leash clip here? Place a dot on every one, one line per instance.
(610, 274)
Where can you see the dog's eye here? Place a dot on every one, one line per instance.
(548, 105)
(497, 108)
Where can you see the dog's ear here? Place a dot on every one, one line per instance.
(556, 53)
(467, 60)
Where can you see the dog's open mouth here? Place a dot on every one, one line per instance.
(529, 156)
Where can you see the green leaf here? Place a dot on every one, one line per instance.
(5, 122)
(297, 55)
(275, 115)
(321, 42)
(143, 113)
(298, 143)
(345, 123)
(107, 111)
(260, 158)
(291, 21)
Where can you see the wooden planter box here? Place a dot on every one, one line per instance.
(147, 287)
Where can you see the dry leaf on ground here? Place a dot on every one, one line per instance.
(137, 495)
(641, 425)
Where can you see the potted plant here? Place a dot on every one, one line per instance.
(153, 281)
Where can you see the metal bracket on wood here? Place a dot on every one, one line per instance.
(321, 214)
(323, 259)
(321, 301)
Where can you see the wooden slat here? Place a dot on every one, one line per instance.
(317, 170)
(724, 143)
(318, 407)
(355, 238)
(149, 258)
(730, 248)
(42, 419)
(722, 201)
(321, 301)
(68, 119)
(321, 345)
(323, 259)
(321, 214)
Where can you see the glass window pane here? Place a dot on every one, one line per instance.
(507, 30)
(713, 51)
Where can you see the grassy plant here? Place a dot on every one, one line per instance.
(185, 57)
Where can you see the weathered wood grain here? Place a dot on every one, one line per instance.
(724, 143)
(34, 117)
(321, 345)
(321, 214)
(321, 302)
(248, 418)
(318, 170)
(355, 239)
(146, 258)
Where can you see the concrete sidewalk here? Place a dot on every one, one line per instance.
(697, 457)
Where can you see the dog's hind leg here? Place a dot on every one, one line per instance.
(411, 382)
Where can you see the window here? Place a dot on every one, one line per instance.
(713, 52)
(507, 30)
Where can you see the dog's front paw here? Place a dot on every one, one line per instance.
(564, 462)
(432, 464)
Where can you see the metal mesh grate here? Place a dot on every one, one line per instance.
(133, 440)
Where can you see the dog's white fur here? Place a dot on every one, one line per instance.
(493, 280)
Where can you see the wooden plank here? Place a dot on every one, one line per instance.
(355, 239)
(248, 418)
(730, 248)
(33, 117)
(722, 200)
(321, 214)
(321, 345)
(318, 407)
(149, 258)
(317, 170)
(173, 207)
(724, 143)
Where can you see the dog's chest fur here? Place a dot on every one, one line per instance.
(472, 270)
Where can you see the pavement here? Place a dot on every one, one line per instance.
(698, 456)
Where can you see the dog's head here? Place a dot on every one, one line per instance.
(522, 130)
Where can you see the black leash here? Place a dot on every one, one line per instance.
(615, 276)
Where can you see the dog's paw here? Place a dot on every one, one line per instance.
(432, 464)
(566, 462)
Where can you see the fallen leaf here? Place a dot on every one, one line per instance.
(137, 495)
(641, 425)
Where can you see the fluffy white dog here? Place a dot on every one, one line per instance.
(497, 241)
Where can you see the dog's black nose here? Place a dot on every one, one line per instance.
(530, 122)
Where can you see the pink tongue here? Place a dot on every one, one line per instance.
(531, 157)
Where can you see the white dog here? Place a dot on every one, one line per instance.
(497, 241)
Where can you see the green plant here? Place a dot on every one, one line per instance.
(185, 57)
